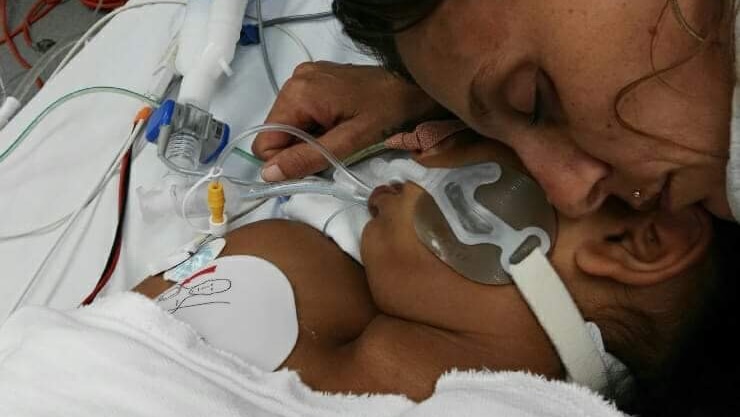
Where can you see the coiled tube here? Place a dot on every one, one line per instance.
(183, 150)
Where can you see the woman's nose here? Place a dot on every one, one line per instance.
(575, 185)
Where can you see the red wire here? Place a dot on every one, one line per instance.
(37, 12)
(39, 9)
(10, 42)
(118, 242)
(32, 18)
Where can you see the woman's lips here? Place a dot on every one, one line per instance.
(372, 201)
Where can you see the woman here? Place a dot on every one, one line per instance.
(631, 99)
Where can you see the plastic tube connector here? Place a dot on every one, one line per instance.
(216, 204)
(218, 229)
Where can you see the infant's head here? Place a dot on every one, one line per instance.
(642, 277)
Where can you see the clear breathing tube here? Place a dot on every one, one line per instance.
(348, 188)
(307, 186)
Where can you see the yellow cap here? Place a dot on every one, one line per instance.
(216, 201)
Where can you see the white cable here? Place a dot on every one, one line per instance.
(27, 83)
(325, 229)
(104, 20)
(249, 209)
(51, 226)
(3, 91)
(292, 35)
(40, 230)
(98, 7)
(75, 216)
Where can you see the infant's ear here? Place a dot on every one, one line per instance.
(648, 248)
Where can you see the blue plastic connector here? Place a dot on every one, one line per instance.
(162, 116)
(250, 35)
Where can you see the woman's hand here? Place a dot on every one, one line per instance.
(351, 107)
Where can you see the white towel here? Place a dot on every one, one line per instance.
(124, 356)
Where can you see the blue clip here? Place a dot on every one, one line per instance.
(223, 141)
(250, 35)
(161, 117)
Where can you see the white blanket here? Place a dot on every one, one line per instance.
(124, 356)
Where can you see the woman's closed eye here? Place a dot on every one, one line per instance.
(525, 93)
(537, 113)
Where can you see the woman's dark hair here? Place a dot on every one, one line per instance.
(703, 375)
(371, 24)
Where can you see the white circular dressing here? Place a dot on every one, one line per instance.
(240, 304)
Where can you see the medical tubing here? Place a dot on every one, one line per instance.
(212, 174)
(275, 127)
(232, 146)
(79, 93)
(295, 18)
(297, 40)
(248, 157)
(336, 214)
(263, 49)
(3, 91)
(104, 20)
(29, 80)
(361, 155)
(75, 216)
(38, 230)
(265, 191)
(49, 227)
(307, 186)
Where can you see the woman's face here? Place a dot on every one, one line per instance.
(544, 76)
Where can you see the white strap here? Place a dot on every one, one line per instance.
(558, 314)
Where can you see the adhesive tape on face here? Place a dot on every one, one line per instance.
(478, 219)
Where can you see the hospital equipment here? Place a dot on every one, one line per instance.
(160, 83)
(138, 126)
(473, 216)
(189, 139)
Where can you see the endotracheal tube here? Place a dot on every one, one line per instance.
(345, 185)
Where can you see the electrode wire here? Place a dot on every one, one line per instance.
(76, 215)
